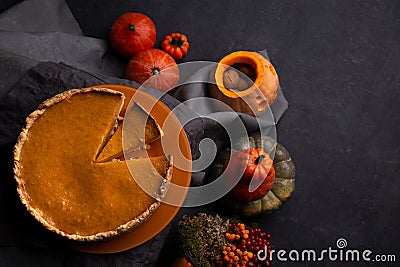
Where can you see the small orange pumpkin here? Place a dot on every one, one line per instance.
(181, 261)
(176, 45)
(154, 68)
(254, 99)
(258, 167)
(132, 32)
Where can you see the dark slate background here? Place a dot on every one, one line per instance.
(338, 63)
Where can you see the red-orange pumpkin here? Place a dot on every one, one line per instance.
(132, 32)
(258, 167)
(153, 68)
(180, 261)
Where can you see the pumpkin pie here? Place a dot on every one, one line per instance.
(61, 183)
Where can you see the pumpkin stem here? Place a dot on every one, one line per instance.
(131, 27)
(259, 159)
(177, 41)
(155, 71)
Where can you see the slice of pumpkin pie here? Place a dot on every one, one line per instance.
(63, 186)
(140, 131)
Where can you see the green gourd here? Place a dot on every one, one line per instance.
(284, 183)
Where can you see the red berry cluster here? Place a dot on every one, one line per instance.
(257, 240)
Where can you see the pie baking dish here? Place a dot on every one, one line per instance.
(73, 193)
